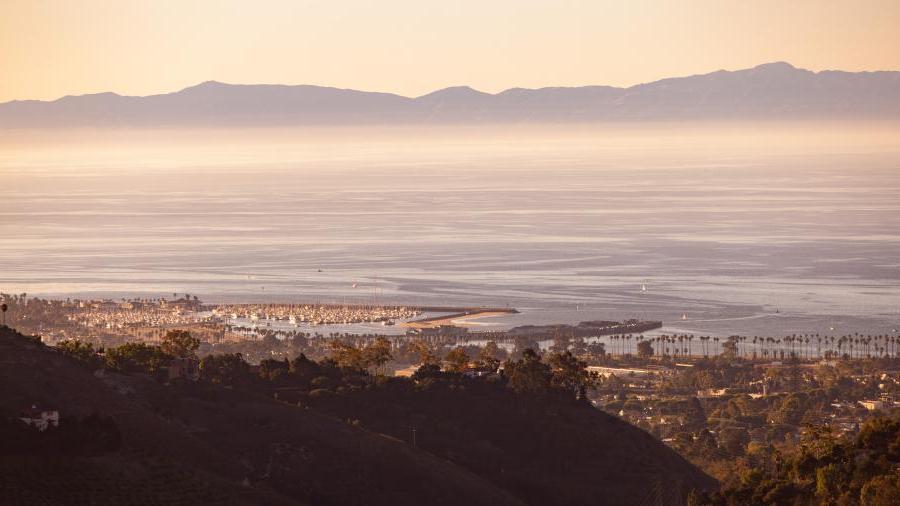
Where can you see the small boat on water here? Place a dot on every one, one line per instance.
(684, 316)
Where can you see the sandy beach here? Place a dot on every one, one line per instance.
(458, 319)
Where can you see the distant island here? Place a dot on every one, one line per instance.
(772, 91)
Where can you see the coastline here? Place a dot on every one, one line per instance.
(457, 319)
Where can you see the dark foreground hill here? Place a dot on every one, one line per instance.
(546, 453)
(204, 444)
(129, 439)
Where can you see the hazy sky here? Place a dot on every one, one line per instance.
(53, 48)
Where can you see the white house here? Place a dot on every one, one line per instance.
(40, 419)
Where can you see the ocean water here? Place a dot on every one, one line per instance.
(756, 230)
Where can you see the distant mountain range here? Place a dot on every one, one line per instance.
(770, 91)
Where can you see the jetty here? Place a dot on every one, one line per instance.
(457, 316)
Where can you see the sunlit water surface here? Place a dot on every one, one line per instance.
(750, 230)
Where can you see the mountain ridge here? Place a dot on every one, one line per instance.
(776, 90)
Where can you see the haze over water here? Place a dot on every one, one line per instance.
(751, 229)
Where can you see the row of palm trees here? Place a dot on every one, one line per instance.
(808, 346)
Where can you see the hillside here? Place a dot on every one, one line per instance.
(546, 453)
(201, 443)
(475, 441)
(770, 91)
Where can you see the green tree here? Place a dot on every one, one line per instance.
(827, 478)
(346, 355)
(733, 440)
(304, 368)
(694, 416)
(597, 349)
(136, 357)
(644, 349)
(272, 369)
(882, 435)
(881, 490)
(426, 353)
(729, 349)
(613, 382)
(457, 360)
(824, 469)
(488, 358)
(522, 344)
(179, 343)
(528, 375)
(561, 342)
(790, 411)
(427, 370)
(377, 354)
(570, 374)
(228, 369)
(579, 347)
(80, 351)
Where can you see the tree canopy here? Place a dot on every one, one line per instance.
(180, 344)
(136, 357)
